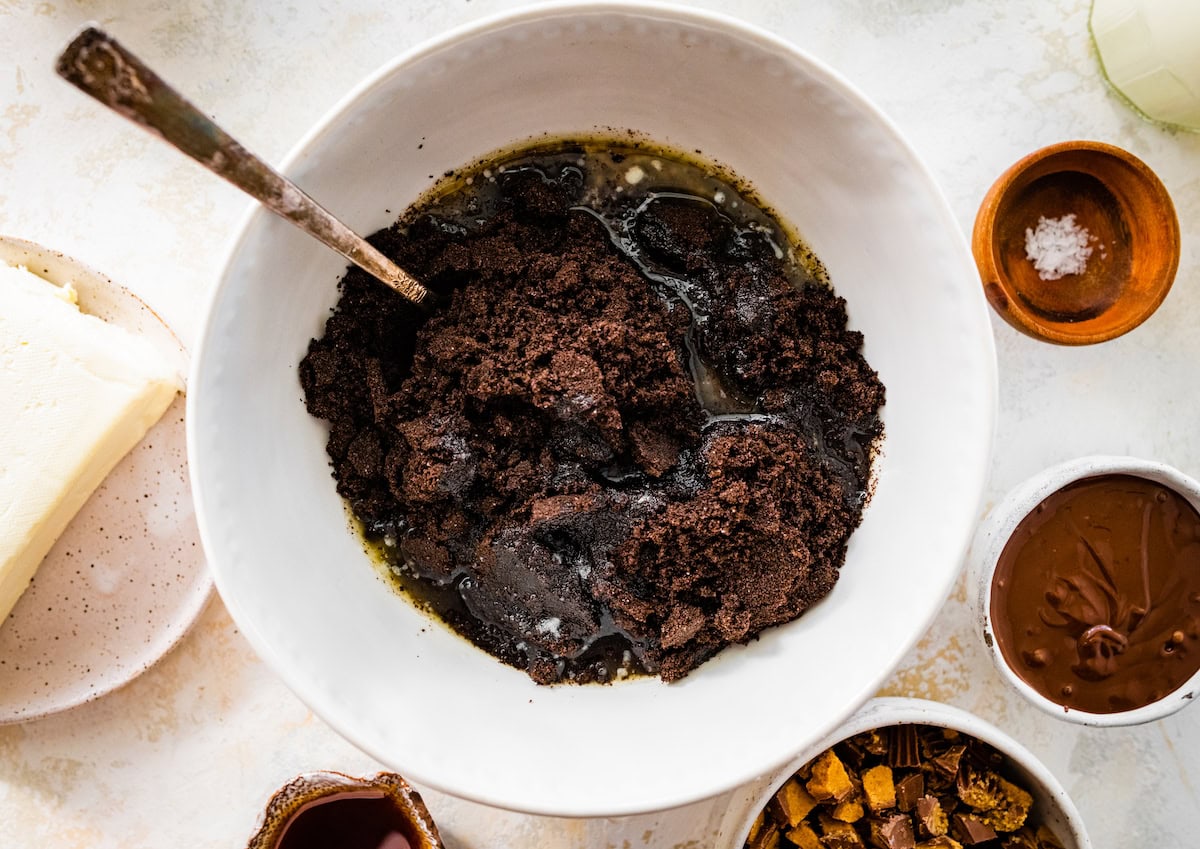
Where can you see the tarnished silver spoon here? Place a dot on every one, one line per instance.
(99, 66)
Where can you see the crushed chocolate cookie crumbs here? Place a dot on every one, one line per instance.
(634, 432)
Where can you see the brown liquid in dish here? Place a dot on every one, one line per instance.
(348, 821)
(1096, 596)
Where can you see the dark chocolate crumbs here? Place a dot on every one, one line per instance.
(536, 455)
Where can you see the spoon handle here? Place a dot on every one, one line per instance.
(99, 66)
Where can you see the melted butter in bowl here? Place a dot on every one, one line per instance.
(320, 810)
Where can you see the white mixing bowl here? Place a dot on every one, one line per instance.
(421, 699)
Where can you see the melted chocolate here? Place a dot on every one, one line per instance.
(349, 821)
(1096, 596)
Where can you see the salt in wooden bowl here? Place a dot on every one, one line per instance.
(1077, 243)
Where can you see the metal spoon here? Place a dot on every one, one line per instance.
(99, 66)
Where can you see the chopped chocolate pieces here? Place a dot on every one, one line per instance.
(762, 835)
(895, 832)
(932, 820)
(874, 742)
(904, 748)
(851, 752)
(947, 762)
(940, 843)
(804, 837)
(794, 802)
(879, 788)
(767, 838)
(1011, 809)
(830, 781)
(978, 789)
(849, 811)
(971, 831)
(836, 834)
(756, 827)
(953, 795)
(909, 789)
(1023, 839)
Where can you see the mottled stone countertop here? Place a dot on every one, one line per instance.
(186, 754)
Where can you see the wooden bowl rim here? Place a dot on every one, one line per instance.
(983, 241)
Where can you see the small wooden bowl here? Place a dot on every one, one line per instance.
(1134, 236)
(315, 805)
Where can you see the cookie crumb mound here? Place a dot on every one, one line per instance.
(625, 440)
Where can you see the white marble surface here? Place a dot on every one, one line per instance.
(186, 754)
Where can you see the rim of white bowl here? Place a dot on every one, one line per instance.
(900, 710)
(999, 526)
(555, 8)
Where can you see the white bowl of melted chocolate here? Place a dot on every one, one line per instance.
(695, 431)
(1088, 582)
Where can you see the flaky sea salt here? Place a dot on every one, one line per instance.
(1058, 247)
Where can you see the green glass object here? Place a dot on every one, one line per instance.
(1149, 52)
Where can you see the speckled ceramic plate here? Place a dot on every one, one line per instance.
(127, 578)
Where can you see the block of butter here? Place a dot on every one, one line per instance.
(76, 395)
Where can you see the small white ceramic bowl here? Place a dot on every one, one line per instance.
(999, 525)
(1052, 806)
(416, 696)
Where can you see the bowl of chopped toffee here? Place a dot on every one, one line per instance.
(907, 774)
(706, 381)
(1087, 590)
(320, 810)
(1077, 243)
